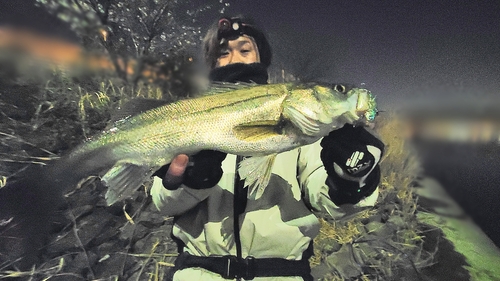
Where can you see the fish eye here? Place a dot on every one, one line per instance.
(339, 88)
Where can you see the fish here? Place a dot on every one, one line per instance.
(243, 119)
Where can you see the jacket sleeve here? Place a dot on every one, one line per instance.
(313, 179)
(176, 202)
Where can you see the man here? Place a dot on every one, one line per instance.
(225, 233)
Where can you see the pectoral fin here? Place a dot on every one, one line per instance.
(256, 171)
(307, 125)
(123, 180)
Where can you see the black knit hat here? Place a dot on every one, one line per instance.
(230, 28)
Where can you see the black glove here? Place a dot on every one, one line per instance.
(351, 156)
(203, 171)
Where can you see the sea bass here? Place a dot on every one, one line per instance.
(248, 120)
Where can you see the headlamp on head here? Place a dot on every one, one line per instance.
(232, 28)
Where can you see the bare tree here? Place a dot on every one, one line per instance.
(140, 36)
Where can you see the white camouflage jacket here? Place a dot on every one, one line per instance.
(280, 224)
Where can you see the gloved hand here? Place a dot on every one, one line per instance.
(350, 156)
(202, 170)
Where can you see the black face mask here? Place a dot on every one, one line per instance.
(240, 72)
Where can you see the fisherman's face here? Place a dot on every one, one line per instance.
(241, 50)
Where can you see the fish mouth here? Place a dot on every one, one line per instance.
(366, 105)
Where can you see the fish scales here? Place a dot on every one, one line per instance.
(213, 128)
(203, 123)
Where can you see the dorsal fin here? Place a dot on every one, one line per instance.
(222, 87)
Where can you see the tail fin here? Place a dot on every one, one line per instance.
(83, 162)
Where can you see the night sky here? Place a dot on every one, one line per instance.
(399, 49)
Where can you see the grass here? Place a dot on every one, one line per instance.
(388, 238)
(46, 112)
